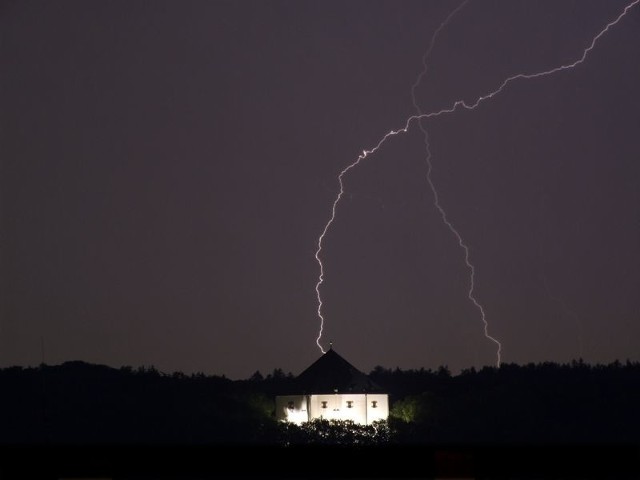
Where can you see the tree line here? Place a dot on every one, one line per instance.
(81, 403)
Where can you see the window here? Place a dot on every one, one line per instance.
(290, 405)
(324, 404)
(374, 404)
(349, 403)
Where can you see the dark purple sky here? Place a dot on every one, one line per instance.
(167, 168)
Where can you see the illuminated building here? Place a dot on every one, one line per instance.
(333, 389)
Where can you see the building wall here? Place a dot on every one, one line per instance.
(361, 408)
(339, 406)
(377, 407)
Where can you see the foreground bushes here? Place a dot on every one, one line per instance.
(334, 432)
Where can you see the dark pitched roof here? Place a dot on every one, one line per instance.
(331, 372)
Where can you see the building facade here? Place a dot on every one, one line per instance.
(333, 389)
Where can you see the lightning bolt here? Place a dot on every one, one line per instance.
(457, 105)
(434, 191)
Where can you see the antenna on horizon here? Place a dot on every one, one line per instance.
(331, 345)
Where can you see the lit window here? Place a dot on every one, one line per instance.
(374, 404)
(324, 404)
(349, 403)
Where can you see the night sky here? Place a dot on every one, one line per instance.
(167, 167)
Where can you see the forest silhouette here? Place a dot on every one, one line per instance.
(77, 403)
(543, 420)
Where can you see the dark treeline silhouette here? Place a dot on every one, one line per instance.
(547, 403)
(79, 403)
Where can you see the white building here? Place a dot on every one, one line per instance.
(333, 389)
